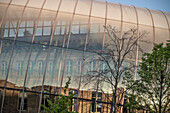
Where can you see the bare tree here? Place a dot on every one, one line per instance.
(118, 54)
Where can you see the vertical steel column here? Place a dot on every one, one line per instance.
(69, 35)
(5, 13)
(167, 22)
(137, 45)
(48, 54)
(5, 85)
(84, 53)
(153, 25)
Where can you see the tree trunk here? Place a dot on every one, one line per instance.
(160, 96)
(114, 99)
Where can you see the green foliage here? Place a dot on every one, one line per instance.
(151, 92)
(133, 101)
(61, 104)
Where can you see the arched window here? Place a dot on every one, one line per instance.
(30, 68)
(92, 66)
(103, 66)
(69, 67)
(50, 69)
(3, 68)
(40, 67)
(79, 66)
(20, 67)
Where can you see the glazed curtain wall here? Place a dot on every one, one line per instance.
(45, 41)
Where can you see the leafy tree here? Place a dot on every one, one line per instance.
(61, 104)
(152, 91)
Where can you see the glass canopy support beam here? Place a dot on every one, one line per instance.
(153, 25)
(47, 56)
(137, 45)
(167, 22)
(121, 25)
(5, 13)
(7, 74)
(84, 53)
(33, 37)
(68, 41)
(100, 63)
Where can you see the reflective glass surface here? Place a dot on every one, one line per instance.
(34, 59)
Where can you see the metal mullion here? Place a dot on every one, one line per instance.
(5, 13)
(35, 27)
(167, 22)
(104, 36)
(47, 57)
(62, 52)
(137, 45)
(100, 62)
(16, 34)
(42, 28)
(69, 35)
(3, 30)
(121, 26)
(153, 26)
(84, 52)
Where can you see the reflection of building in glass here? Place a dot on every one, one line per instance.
(43, 42)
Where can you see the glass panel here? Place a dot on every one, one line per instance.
(168, 17)
(63, 23)
(35, 3)
(108, 39)
(146, 42)
(47, 23)
(83, 7)
(5, 1)
(51, 4)
(13, 16)
(99, 9)
(129, 14)
(144, 16)
(45, 20)
(159, 19)
(113, 11)
(67, 5)
(95, 39)
(22, 24)
(19, 64)
(5, 53)
(14, 12)
(40, 23)
(30, 23)
(21, 32)
(47, 31)
(2, 11)
(38, 59)
(29, 17)
(19, 2)
(126, 33)
(161, 36)
(38, 32)
(91, 65)
(79, 31)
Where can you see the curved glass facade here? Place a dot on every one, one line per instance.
(42, 42)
